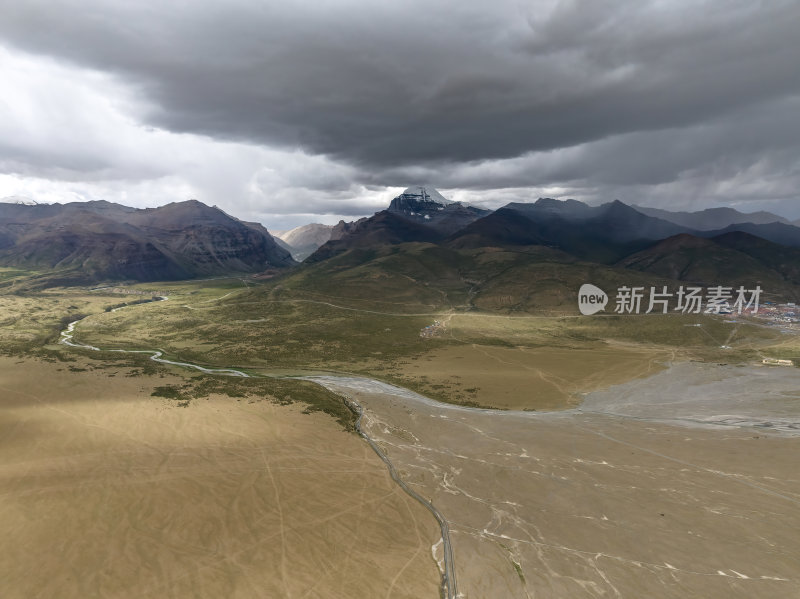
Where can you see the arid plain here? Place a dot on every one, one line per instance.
(654, 476)
(111, 492)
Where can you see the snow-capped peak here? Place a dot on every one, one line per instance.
(425, 192)
(21, 200)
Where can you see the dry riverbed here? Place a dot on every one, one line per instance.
(611, 503)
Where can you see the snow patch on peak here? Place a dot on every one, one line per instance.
(20, 200)
(428, 193)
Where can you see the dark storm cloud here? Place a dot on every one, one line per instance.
(594, 96)
(385, 84)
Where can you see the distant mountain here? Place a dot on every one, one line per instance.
(18, 200)
(732, 259)
(601, 234)
(428, 207)
(418, 214)
(577, 237)
(605, 233)
(304, 241)
(384, 228)
(93, 241)
(343, 228)
(314, 233)
(780, 233)
(693, 259)
(614, 221)
(570, 210)
(528, 256)
(774, 256)
(712, 218)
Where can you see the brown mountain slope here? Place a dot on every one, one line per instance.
(708, 262)
(93, 241)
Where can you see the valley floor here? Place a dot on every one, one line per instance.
(617, 502)
(652, 477)
(110, 492)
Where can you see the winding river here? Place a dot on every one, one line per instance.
(499, 475)
(448, 583)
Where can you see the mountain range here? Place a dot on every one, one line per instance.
(451, 247)
(713, 247)
(93, 241)
(714, 218)
(604, 234)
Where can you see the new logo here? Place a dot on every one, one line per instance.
(591, 299)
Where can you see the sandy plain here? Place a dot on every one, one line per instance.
(616, 501)
(109, 492)
(642, 491)
(527, 378)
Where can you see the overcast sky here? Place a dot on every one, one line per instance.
(289, 113)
